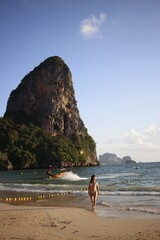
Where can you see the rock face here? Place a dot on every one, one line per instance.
(110, 158)
(46, 98)
(6, 165)
(127, 159)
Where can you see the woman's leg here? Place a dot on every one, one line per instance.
(94, 199)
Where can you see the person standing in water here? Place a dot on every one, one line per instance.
(93, 190)
(49, 171)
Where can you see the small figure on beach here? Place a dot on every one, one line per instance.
(93, 190)
(49, 170)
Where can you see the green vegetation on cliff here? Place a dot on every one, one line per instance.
(31, 147)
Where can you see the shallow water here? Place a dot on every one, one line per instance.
(129, 189)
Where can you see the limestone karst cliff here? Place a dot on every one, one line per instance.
(46, 98)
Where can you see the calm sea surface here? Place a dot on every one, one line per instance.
(129, 189)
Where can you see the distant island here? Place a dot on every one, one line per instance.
(110, 158)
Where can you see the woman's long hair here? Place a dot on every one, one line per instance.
(92, 177)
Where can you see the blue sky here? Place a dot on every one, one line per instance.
(112, 48)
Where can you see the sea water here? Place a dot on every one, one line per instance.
(125, 190)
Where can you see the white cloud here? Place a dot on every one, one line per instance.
(139, 145)
(90, 27)
(149, 140)
(153, 133)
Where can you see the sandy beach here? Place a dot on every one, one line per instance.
(37, 223)
(34, 208)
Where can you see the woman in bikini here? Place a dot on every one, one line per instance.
(93, 190)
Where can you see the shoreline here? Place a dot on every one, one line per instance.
(77, 200)
(67, 223)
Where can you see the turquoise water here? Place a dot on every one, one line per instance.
(128, 187)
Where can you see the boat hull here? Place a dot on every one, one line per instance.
(58, 175)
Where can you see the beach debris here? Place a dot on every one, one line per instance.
(63, 227)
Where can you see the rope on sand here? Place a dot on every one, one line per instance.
(9, 199)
